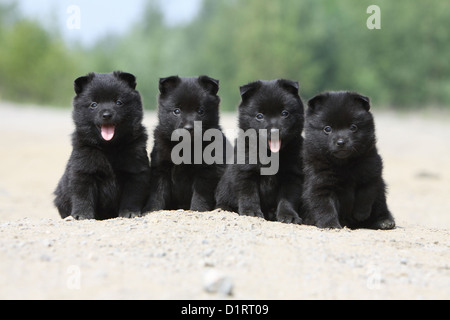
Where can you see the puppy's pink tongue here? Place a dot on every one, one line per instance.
(108, 132)
(275, 145)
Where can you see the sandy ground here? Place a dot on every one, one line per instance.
(180, 255)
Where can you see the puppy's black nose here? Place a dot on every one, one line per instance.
(107, 115)
(189, 127)
(340, 143)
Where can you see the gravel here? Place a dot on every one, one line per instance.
(221, 255)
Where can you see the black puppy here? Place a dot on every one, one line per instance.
(183, 179)
(273, 112)
(343, 170)
(107, 174)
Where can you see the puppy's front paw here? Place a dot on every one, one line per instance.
(251, 213)
(129, 214)
(86, 215)
(328, 223)
(384, 224)
(288, 216)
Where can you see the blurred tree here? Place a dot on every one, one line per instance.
(34, 67)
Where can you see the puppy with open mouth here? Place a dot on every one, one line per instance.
(273, 110)
(107, 175)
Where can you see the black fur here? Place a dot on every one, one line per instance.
(182, 102)
(243, 189)
(105, 178)
(343, 170)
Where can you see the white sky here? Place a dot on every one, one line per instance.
(100, 17)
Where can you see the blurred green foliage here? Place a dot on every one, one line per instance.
(34, 63)
(324, 44)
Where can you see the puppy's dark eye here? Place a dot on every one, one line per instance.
(119, 103)
(353, 128)
(93, 105)
(328, 130)
(201, 111)
(260, 116)
(177, 111)
(285, 114)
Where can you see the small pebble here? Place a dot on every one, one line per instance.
(217, 282)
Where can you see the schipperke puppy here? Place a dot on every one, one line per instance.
(182, 179)
(273, 111)
(343, 170)
(107, 175)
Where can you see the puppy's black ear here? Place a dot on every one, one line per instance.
(168, 84)
(289, 85)
(210, 84)
(315, 102)
(364, 101)
(80, 83)
(129, 78)
(249, 89)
